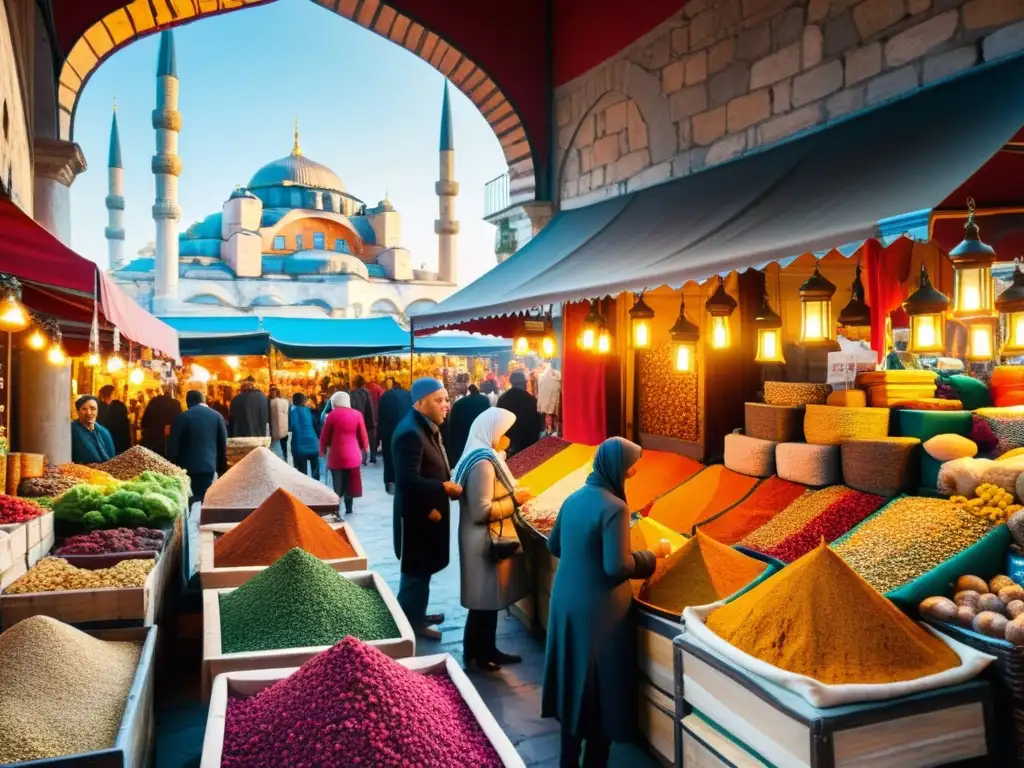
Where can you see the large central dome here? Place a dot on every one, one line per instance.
(296, 170)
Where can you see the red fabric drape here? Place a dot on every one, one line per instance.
(887, 268)
(583, 384)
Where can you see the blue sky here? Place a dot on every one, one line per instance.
(367, 109)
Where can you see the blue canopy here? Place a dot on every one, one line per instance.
(326, 338)
(220, 335)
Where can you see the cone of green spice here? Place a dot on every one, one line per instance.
(300, 601)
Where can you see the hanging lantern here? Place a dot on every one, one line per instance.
(981, 338)
(115, 363)
(856, 314)
(36, 339)
(547, 346)
(926, 308)
(13, 316)
(685, 336)
(769, 334)
(232, 361)
(720, 306)
(137, 376)
(541, 333)
(94, 359)
(1010, 303)
(972, 264)
(816, 309)
(587, 340)
(55, 354)
(604, 339)
(640, 317)
(522, 346)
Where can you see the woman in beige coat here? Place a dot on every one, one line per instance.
(489, 498)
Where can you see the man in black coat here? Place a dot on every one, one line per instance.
(362, 402)
(250, 411)
(392, 408)
(114, 416)
(160, 413)
(526, 431)
(464, 413)
(199, 444)
(422, 517)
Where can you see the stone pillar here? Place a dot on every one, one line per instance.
(44, 407)
(57, 163)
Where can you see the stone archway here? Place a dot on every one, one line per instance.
(142, 18)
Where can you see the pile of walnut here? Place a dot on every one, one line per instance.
(995, 609)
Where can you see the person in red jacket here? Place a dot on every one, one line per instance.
(344, 434)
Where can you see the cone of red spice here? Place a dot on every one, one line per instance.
(278, 525)
(351, 705)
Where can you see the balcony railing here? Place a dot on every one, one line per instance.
(496, 195)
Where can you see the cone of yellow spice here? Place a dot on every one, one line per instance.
(819, 619)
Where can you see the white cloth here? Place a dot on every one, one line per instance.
(487, 429)
(549, 392)
(278, 418)
(341, 400)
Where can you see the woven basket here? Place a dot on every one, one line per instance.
(795, 394)
(814, 465)
(749, 455)
(13, 473)
(885, 466)
(848, 398)
(874, 378)
(829, 425)
(32, 465)
(780, 423)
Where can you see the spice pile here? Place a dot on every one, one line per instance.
(532, 457)
(52, 574)
(353, 705)
(51, 483)
(700, 572)
(542, 512)
(658, 472)
(769, 498)
(994, 608)
(299, 602)
(112, 541)
(137, 460)
(279, 524)
(87, 474)
(558, 466)
(16, 510)
(248, 484)
(62, 691)
(817, 618)
(794, 517)
(704, 495)
(908, 538)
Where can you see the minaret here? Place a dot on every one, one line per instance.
(447, 188)
(166, 168)
(115, 198)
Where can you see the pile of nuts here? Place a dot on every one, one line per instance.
(137, 460)
(54, 574)
(994, 608)
(992, 502)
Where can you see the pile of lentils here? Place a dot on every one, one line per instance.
(111, 541)
(62, 692)
(299, 602)
(16, 510)
(908, 538)
(137, 460)
(53, 574)
(352, 705)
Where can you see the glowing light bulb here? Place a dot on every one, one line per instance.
(719, 332)
(94, 359)
(683, 361)
(522, 346)
(36, 340)
(641, 335)
(604, 342)
(115, 364)
(547, 347)
(13, 317)
(926, 331)
(55, 354)
(232, 361)
(137, 376)
(588, 340)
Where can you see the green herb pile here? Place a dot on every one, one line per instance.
(149, 500)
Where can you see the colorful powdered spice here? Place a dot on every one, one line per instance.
(542, 511)
(532, 457)
(558, 466)
(658, 472)
(908, 538)
(769, 498)
(646, 534)
(702, 571)
(62, 691)
(818, 618)
(279, 524)
(112, 540)
(704, 495)
(90, 475)
(794, 517)
(253, 479)
(352, 705)
(17, 510)
(836, 519)
(299, 602)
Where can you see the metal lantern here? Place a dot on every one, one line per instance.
(769, 334)
(604, 340)
(816, 310)
(13, 316)
(927, 310)
(541, 333)
(856, 314)
(640, 317)
(587, 340)
(1010, 303)
(685, 336)
(981, 338)
(972, 264)
(522, 346)
(36, 340)
(720, 306)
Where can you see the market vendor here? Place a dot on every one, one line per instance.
(91, 443)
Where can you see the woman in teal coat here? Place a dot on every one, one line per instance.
(590, 658)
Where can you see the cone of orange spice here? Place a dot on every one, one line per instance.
(276, 526)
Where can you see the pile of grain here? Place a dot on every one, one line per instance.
(253, 479)
(298, 602)
(62, 691)
(54, 574)
(137, 460)
(767, 500)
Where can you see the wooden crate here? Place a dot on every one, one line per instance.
(42, 547)
(656, 718)
(939, 727)
(135, 744)
(212, 577)
(5, 552)
(216, 662)
(246, 684)
(704, 747)
(17, 539)
(17, 569)
(215, 515)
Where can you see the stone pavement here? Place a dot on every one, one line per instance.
(513, 695)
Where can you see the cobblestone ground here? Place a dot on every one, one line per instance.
(513, 695)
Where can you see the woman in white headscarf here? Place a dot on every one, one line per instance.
(493, 575)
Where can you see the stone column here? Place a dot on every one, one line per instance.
(57, 163)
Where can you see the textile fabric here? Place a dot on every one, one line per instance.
(278, 417)
(485, 432)
(583, 385)
(343, 438)
(303, 431)
(250, 414)
(90, 446)
(887, 269)
(461, 419)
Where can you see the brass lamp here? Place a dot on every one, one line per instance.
(1011, 304)
(13, 316)
(856, 314)
(640, 317)
(927, 310)
(685, 336)
(720, 306)
(769, 334)
(972, 264)
(816, 310)
(587, 339)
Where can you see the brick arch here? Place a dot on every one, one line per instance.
(142, 18)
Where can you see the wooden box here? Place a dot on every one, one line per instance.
(656, 663)
(212, 577)
(5, 552)
(136, 738)
(245, 684)
(18, 539)
(17, 569)
(215, 515)
(947, 725)
(704, 747)
(216, 662)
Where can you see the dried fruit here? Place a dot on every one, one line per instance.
(53, 574)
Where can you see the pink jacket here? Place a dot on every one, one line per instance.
(344, 433)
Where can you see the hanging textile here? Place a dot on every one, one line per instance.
(583, 384)
(887, 270)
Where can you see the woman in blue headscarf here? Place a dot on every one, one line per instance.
(590, 658)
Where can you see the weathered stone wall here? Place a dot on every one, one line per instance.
(724, 77)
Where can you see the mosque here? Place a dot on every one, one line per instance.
(293, 242)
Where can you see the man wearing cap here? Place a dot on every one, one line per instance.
(422, 494)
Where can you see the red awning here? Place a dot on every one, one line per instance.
(60, 282)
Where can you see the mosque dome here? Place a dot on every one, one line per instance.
(296, 170)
